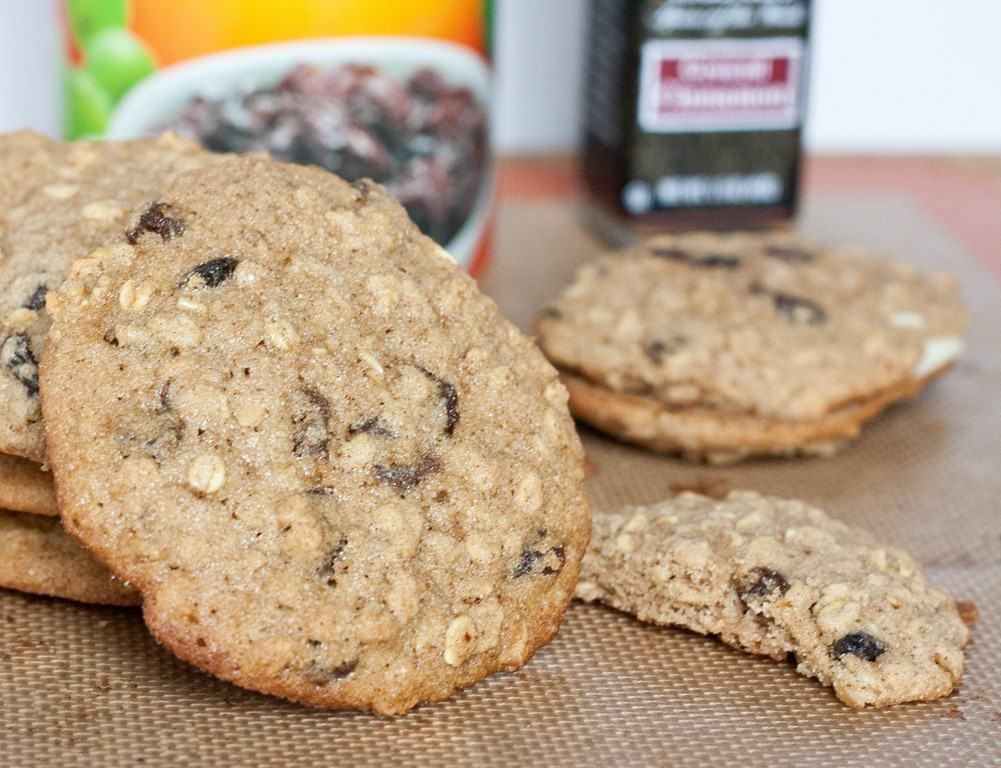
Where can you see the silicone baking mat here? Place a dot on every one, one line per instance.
(87, 686)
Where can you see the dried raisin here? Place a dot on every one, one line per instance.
(724, 260)
(539, 557)
(330, 561)
(762, 582)
(658, 349)
(672, 254)
(321, 674)
(709, 260)
(789, 253)
(860, 644)
(37, 299)
(798, 309)
(312, 434)
(372, 426)
(212, 273)
(403, 477)
(159, 218)
(16, 356)
(447, 393)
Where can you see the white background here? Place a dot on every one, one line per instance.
(886, 75)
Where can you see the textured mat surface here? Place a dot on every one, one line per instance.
(87, 686)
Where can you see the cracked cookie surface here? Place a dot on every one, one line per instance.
(722, 346)
(774, 577)
(38, 556)
(332, 469)
(58, 202)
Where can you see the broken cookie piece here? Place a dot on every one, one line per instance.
(779, 577)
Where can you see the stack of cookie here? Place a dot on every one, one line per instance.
(724, 346)
(58, 202)
(285, 420)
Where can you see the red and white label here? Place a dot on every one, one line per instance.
(720, 85)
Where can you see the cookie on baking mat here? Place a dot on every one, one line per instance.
(775, 577)
(25, 487)
(57, 203)
(720, 347)
(37, 556)
(331, 467)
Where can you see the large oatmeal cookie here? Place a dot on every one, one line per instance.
(58, 202)
(333, 470)
(725, 346)
(775, 577)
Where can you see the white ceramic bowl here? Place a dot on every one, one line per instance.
(157, 100)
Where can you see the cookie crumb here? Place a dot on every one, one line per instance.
(968, 612)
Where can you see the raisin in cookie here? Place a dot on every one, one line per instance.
(720, 347)
(332, 469)
(774, 577)
(37, 556)
(25, 487)
(57, 203)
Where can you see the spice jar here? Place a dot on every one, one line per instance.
(694, 113)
